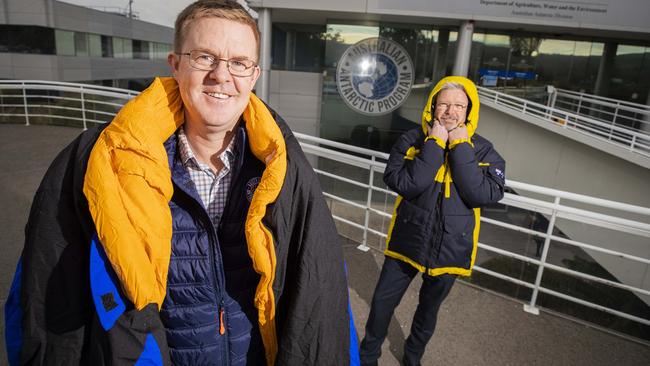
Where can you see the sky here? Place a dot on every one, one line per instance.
(152, 11)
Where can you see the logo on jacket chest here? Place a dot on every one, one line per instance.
(251, 186)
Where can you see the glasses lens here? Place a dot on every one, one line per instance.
(450, 106)
(240, 67)
(201, 60)
(206, 61)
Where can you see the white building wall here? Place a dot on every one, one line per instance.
(26, 12)
(78, 18)
(296, 96)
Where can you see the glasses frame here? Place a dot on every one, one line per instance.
(451, 106)
(250, 70)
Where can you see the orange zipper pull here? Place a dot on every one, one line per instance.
(222, 327)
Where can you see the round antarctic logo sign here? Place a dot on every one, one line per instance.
(374, 76)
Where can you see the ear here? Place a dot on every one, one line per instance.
(255, 76)
(173, 60)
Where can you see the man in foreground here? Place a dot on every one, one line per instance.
(444, 173)
(189, 231)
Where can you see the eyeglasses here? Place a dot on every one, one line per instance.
(456, 106)
(207, 62)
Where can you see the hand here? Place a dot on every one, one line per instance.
(458, 132)
(438, 130)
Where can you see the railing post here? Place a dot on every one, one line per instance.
(553, 98)
(25, 104)
(366, 222)
(524, 109)
(83, 108)
(550, 106)
(632, 142)
(532, 308)
(611, 131)
(579, 103)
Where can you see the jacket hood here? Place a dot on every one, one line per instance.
(472, 94)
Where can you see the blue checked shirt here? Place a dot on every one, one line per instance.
(212, 187)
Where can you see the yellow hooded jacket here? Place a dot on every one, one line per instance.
(441, 187)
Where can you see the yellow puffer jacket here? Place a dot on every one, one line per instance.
(128, 187)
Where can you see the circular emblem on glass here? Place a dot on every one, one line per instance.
(374, 76)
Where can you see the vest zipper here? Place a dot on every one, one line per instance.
(220, 283)
(222, 326)
(218, 268)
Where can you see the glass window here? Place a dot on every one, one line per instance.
(521, 64)
(64, 43)
(128, 48)
(107, 46)
(339, 121)
(140, 49)
(122, 48)
(630, 74)
(118, 47)
(81, 44)
(449, 52)
(298, 47)
(584, 70)
(95, 45)
(419, 42)
(27, 39)
(160, 50)
(278, 48)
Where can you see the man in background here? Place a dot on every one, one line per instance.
(443, 173)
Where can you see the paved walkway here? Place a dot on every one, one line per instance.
(475, 327)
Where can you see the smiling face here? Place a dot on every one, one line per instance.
(448, 109)
(215, 99)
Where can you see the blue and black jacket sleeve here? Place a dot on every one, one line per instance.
(60, 309)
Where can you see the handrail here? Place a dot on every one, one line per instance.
(73, 85)
(336, 152)
(79, 103)
(633, 140)
(374, 162)
(629, 115)
(609, 101)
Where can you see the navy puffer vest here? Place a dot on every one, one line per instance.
(208, 312)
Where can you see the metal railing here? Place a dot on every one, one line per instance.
(52, 102)
(362, 169)
(373, 162)
(624, 114)
(632, 139)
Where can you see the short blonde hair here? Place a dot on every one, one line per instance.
(224, 9)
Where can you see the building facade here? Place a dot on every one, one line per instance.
(51, 40)
(599, 47)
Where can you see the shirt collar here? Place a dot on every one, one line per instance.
(187, 155)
